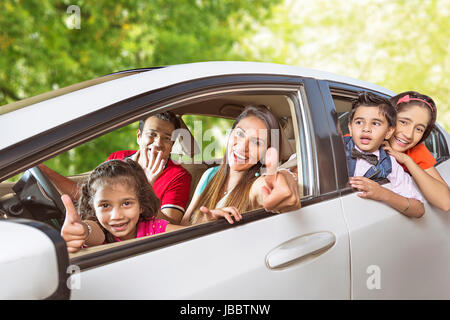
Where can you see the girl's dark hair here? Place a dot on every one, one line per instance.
(373, 100)
(404, 105)
(239, 196)
(128, 172)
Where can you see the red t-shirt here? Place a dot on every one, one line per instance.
(422, 156)
(173, 185)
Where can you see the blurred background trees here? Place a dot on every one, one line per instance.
(40, 52)
(398, 44)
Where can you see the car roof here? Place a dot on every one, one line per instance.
(74, 87)
(34, 115)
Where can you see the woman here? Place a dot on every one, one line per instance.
(238, 185)
(416, 115)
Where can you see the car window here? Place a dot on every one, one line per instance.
(87, 156)
(210, 128)
(343, 105)
(435, 142)
(211, 134)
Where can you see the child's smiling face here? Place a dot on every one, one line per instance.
(117, 209)
(411, 125)
(369, 128)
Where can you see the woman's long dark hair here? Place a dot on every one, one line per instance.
(128, 172)
(239, 196)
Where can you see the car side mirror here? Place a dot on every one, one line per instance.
(33, 261)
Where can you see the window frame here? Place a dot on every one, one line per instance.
(139, 246)
(78, 131)
(442, 148)
(330, 88)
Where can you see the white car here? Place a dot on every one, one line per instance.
(337, 246)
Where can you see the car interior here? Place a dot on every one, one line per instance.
(28, 199)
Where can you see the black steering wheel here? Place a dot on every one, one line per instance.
(35, 198)
(48, 190)
(48, 187)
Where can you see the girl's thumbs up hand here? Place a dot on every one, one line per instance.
(74, 231)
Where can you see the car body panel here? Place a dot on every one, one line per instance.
(397, 257)
(378, 252)
(231, 264)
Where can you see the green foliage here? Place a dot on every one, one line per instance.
(402, 45)
(89, 155)
(39, 51)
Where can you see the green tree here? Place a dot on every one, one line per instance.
(40, 52)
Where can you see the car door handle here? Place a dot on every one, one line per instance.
(299, 248)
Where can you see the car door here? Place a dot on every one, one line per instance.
(303, 254)
(393, 256)
(294, 255)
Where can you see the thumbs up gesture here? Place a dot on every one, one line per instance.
(280, 192)
(74, 231)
